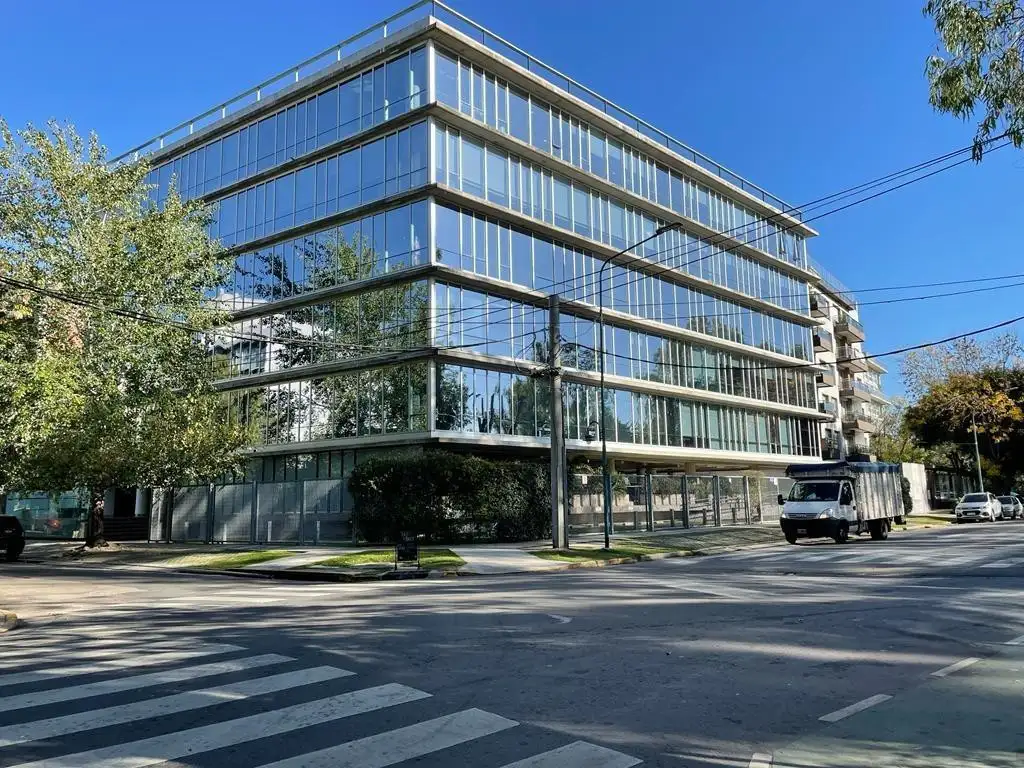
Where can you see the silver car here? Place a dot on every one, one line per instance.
(979, 507)
(1012, 507)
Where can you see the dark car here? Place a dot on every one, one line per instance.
(12, 537)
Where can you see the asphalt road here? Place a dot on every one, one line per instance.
(907, 652)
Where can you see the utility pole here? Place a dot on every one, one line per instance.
(977, 454)
(559, 523)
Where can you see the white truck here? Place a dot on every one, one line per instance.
(839, 498)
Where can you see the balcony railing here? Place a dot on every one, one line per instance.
(425, 9)
(856, 389)
(830, 450)
(825, 378)
(849, 328)
(834, 285)
(828, 406)
(859, 421)
(847, 356)
(823, 341)
(820, 306)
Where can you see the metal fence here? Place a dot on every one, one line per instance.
(657, 501)
(296, 512)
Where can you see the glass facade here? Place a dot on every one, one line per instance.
(472, 400)
(378, 401)
(466, 87)
(482, 170)
(369, 246)
(495, 325)
(363, 159)
(334, 114)
(489, 247)
(386, 166)
(347, 327)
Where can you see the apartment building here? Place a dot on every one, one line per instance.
(401, 207)
(849, 383)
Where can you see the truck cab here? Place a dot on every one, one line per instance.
(835, 500)
(816, 507)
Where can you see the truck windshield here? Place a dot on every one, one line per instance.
(823, 490)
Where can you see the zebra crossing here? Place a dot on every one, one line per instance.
(131, 699)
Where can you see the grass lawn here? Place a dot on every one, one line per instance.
(586, 554)
(431, 559)
(926, 520)
(237, 559)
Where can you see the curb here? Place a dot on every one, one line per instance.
(8, 621)
(306, 574)
(724, 549)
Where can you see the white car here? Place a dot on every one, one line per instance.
(1012, 507)
(979, 506)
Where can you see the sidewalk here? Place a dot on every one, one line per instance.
(304, 562)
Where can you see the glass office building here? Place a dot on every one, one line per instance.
(399, 210)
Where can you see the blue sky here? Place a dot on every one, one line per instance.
(802, 97)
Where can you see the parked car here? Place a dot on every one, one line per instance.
(12, 537)
(979, 506)
(1012, 506)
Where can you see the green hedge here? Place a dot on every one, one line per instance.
(450, 497)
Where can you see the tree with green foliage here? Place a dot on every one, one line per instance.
(978, 69)
(104, 322)
(993, 400)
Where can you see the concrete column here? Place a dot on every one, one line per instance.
(254, 512)
(746, 499)
(716, 500)
(685, 487)
(649, 499)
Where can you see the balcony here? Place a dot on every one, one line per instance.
(858, 421)
(851, 389)
(823, 341)
(830, 450)
(825, 378)
(829, 407)
(849, 329)
(858, 448)
(849, 358)
(820, 306)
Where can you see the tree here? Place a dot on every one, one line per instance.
(979, 67)
(922, 369)
(894, 441)
(993, 401)
(104, 319)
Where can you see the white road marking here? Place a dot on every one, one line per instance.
(947, 671)
(105, 687)
(560, 619)
(860, 706)
(760, 760)
(402, 744)
(1008, 563)
(194, 741)
(579, 754)
(98, 651)
(1016, 641)
(138, 660)
(166, 705)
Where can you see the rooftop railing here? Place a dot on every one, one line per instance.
(834, 284)
(425, 9)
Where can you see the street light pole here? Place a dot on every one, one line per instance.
(605, 475)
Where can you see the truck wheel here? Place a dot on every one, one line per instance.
(882, 530)
(791, 538)
(842, 532)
